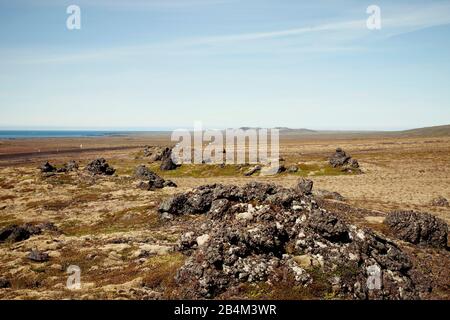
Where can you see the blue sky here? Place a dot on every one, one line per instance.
(228, 63)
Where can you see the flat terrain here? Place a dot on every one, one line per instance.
(112, 230)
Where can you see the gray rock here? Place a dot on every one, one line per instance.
(16, 233)
(47, 168)
(38, 256)
(304, 186)
(166, 160)
(339, 158)
(418, 228)
(256, 250)
(100, 167)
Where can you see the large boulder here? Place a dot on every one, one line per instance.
(15, 233)
(72, 165)
(150, 180)
(166, 160)
(47, 168)
(340, 159)
(153, 153)
(252, 237)
(418, 228)
(38, 256)
(304, 186)
(100, 167)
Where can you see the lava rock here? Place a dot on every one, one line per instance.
(304, 186)
(47, 168)
(261, 232)
(100, 167)
(341, 159)
(166, 160)
(72, 165)
(16, 233)
(418, 228)
(38, 256)
(329, 227)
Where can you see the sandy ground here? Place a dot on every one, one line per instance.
(112, 231)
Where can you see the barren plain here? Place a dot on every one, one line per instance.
(113, 231)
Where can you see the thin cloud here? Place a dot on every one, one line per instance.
(341, 36)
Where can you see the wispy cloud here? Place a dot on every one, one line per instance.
(324, 37)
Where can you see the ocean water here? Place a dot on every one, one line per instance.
(23, 134)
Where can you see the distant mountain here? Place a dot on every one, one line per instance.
(297, 131)
(437, 131)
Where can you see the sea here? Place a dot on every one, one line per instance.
(25, 134)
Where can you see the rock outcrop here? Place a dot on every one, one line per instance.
(153, 153)
(38, 256)
(150, 180)
(342, 160)
(418, 228)
(166, 160)
(47, 168)
(261, 233)
(15, 233)
(100, 167)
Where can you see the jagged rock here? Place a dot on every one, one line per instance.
(166, 160)
(252, 170)
(100, 166)
(341, 159)
(16, 233)
(153, 153)
(329, 226)
(440, 202)
(153, 181)
(292, 169)
(147, 151)
(260, 231)
(174, 205)
(38, 256)
(325, 194)
(304, 186)
(72, 165)
(143, 173)
(418, 228)
(47, 168)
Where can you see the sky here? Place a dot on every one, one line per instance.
(164, 64)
